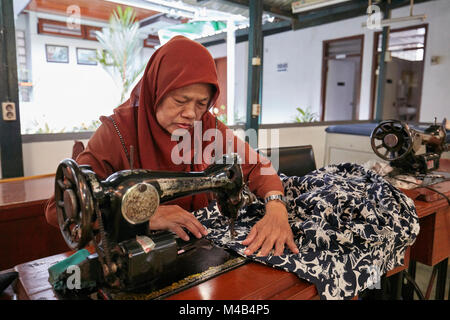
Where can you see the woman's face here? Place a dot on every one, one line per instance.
(181, 107)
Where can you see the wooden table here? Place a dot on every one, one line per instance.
(26, 236)
(432, 246)
(250, 281)
(24, 232)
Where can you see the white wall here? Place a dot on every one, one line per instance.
(44, 157)
(300, 85)
(436, 81)
(282, 91)
(66, 94)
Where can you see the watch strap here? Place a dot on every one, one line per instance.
(275, 197)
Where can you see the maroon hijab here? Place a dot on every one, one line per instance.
(178, 63)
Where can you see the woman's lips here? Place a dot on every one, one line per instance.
(184, 125)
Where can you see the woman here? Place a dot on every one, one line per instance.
(178, 88)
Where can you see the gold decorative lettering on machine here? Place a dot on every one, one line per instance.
(113, 214)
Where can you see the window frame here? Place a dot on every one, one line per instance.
(375, 64)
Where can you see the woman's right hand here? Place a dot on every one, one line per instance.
(175, 219)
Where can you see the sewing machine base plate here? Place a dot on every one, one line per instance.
(200, 261)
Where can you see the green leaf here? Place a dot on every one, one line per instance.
(122, 46)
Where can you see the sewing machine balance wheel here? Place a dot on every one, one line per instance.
(395, 137)
(74, 204)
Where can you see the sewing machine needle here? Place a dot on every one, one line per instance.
(232, 232)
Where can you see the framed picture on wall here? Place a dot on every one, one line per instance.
(55, 53)
(86, 56)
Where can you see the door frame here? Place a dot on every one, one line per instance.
(325, 58)
(373, 77)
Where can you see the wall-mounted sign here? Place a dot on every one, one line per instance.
(281, 67)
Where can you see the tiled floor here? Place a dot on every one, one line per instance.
(423, 275)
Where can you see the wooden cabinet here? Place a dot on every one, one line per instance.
(25, 234)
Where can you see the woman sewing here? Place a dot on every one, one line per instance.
(178, 88)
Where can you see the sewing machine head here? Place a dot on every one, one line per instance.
(113, 214)
(400, 144)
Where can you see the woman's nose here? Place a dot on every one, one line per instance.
(189, 110)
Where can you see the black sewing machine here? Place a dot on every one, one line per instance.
(396, 142)
(112, 215)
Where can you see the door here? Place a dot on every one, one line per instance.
(341, 78)
(340, 94)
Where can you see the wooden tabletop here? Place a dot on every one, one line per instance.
(248, 282)
(433, 242)
(20, 191)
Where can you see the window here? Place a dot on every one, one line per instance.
(58, 28)
(403, 73)
(23, 71)
(152, 41)
(52, 27)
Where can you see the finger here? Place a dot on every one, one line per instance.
(251, 236)
(196, 230)
(254, 245)
(292, 246)
(279, 248)
(179, 232)
(196, 224)
(266, 247)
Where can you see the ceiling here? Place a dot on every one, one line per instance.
(89, 9)
(274, 10)
(101, 9)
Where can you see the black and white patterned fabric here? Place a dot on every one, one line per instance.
(350, 225)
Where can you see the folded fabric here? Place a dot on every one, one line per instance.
(348, 223)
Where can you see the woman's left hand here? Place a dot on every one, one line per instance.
(271, 232)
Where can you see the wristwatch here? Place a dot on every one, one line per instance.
(278, 197)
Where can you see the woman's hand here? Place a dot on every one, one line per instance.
(174, 218)
(271, 232)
